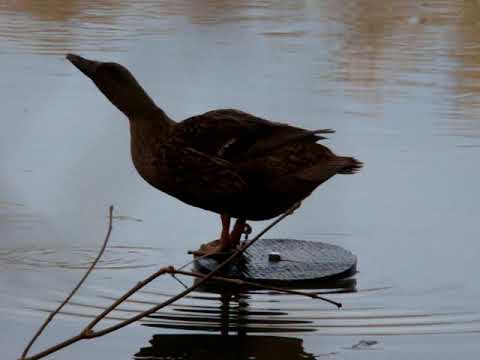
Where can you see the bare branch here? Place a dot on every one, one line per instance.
(140, 285)
(80, 283)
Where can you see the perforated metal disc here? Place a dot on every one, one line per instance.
(301, 261)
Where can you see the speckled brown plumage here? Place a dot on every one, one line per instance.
(226, 161)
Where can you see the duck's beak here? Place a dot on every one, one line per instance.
(88, 67)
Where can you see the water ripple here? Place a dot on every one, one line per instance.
(115, 257)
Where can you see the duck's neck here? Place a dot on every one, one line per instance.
(148, 138)
(150, 125)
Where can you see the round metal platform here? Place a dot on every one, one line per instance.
(287, 262)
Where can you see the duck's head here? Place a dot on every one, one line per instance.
(117, 84)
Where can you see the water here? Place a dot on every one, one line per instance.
(398, 82)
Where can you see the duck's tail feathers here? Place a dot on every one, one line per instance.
(351, 165)
(323, 171)
(321, 131)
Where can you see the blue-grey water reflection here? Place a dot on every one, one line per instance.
(398, 82)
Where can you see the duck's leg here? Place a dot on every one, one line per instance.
(224, 244)
(238, 230)
(225, 238)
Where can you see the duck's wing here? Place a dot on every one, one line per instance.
(203, 178)
(284, 135)
(235, 135)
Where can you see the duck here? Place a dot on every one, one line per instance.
(226, 161)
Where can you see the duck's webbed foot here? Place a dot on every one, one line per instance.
(214, 248)
(221, 247)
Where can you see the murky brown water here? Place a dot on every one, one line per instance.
(397, 80)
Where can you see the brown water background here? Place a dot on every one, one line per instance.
(397, 80)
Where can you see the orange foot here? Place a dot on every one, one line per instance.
(227, 242)
(214, 248)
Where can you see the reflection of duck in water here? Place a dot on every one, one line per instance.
(225, 161)
(236, 319)
(212, 347)
(241, 310)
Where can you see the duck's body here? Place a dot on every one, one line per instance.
(226, 161)
(215, 161)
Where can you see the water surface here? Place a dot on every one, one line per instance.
(396, 80)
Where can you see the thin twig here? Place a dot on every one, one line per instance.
(241, 282)
(196, 258)
(179, 281)
(138, 286)
(80, 283)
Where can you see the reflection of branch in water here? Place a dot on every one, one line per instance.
(213, 347)
(89, 333)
